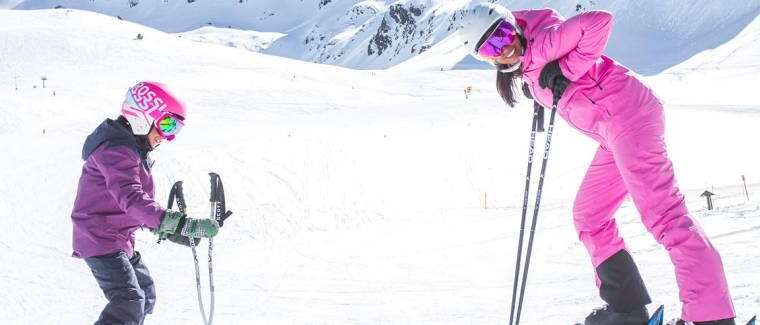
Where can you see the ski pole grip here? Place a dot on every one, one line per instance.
(176, 194)
(214, 197)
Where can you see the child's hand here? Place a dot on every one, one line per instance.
(170, 224)
(199, 228)
(184, 240)
(177, 223)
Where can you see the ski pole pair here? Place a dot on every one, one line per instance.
(219, 213)
(538, 111)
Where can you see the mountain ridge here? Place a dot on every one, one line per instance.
(382, 34)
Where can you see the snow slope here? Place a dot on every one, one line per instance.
(360, 197)
(250, 40)
(649, 36)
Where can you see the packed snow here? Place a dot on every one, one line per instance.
(359, 196)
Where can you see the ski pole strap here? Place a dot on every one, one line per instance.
(536, 106)
(173, 195)
(539, 117)
(177, 194)
(526, 90)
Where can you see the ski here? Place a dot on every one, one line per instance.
(658, 317)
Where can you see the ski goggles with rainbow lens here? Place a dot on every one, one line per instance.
(502, 36)
(168, 125)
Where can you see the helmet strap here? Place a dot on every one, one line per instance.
(511, 68)
(144, 143)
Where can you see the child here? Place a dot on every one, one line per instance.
(116, 197)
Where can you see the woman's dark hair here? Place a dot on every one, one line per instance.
(506, 85)
(505, 81)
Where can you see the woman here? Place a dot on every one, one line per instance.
(560, 63)
(115, 198)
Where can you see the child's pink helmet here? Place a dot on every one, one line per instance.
(148, 102)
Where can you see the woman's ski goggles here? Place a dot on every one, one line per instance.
(502, 36)
(169, 125)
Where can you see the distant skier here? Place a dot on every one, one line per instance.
(562, 60)
(116, 197)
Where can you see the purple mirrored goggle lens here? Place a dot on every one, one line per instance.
(502, 36)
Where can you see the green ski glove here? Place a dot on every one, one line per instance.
(184, 241)
(199, 228)
(175, 223)
(170, 224)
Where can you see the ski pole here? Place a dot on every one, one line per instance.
(198, 283)
(518, 263)
(539, 191)
(216, 200)
(218, 213)
(177, 193)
